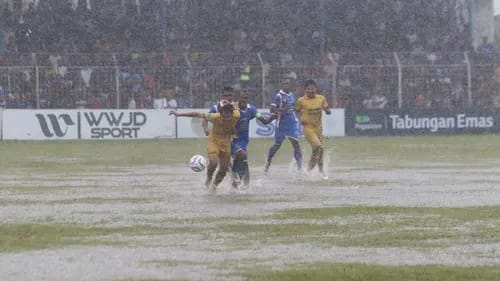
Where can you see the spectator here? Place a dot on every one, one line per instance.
(171, 101)
(161, 102)
(131, 102)
(94, 103)
(487, 50)
(376, 101)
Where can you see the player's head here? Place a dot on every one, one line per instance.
(286, 84)
(310, 88)
(226, 110)
(243, 97)
(227, 94)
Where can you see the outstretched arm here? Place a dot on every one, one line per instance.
(188, 114)
(204, 124)
(265, 120)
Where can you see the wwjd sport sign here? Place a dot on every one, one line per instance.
(87, 124)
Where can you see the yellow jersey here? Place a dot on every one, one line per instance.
(311, 109)
(222, 130)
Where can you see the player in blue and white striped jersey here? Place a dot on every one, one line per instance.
(287, 124)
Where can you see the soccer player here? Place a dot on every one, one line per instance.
(219, 140)
(309, 108)
(227, 94)
(287, 125)
(239, 145)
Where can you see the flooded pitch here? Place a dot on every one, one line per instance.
(203, 237)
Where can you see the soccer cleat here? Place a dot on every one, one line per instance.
(324, 176)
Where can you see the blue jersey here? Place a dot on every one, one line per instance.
(243, 124)
(242, 127)
(213, 109)
(285, 101)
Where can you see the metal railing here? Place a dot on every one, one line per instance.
(76, 80)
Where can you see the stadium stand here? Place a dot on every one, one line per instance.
(60, 54)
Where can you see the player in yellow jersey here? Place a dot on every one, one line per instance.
(310, 109)
(219, 140)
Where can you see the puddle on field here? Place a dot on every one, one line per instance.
(167, 195)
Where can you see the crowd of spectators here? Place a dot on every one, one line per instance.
(179, 53)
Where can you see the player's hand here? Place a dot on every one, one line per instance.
(207, 132)
(172, 113)
(328, 111)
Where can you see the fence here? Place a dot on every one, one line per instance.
(397, 80)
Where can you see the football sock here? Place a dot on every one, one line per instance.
(297, 154)
(320, 159)
(273, 150)
(314, 158)
(219, 177)
(245, 171)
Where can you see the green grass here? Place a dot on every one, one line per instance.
(363, 226)
(361, 272)
(93, 156)
(28, 236)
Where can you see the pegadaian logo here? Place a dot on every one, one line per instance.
(57, 125)
(363, 123)
(362, 118)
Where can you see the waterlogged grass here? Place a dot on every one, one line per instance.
(99, 200)
(24, 189)
(375, 226)
(170, 262)
(465, 214)
(23, 237)
(357, 272)
(5, 202)
(25, 157)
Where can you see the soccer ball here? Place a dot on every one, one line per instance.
(197, 163)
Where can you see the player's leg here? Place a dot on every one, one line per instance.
(320, 155)
(293, 134)
(244, 170)
(297, 152)
(212, 166)
(239, 167)
(313, 139)
(279, 136)
(213, 161)
(235, 164)
(242, 155)
(224, 159)
(314, 158)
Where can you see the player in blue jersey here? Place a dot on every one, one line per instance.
(287, 124)
(239, 167)
(239, 145)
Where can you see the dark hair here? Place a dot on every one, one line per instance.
(227, 108)
(244, 92)
(309, 82)
(227, 89)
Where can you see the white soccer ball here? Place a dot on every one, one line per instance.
(197, 163)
